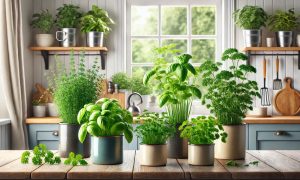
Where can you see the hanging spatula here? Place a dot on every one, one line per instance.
(265, 99)
(277, 83)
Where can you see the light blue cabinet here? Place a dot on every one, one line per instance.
(273, 136)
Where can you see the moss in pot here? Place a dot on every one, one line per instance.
(153, 134)
(201, 132)
(230, 95)
(106, 121)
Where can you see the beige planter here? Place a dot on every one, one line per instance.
(153, 155)
(201, 155)
(235, 145)
(44, 40)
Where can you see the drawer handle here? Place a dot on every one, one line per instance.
(55, 133)
(280, 133)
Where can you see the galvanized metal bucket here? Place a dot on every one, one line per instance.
(153, 154)
(177, 146)
(252, 37)
(284, 38)
(107, 150)
(66, 37)
(94, 39)
(69, 142)
(201, 155)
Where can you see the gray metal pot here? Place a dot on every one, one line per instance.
(153, 154)
(107, 150)
(201, 155)
(94, 39)
(69, 142)
(284, 38)
(177, 146)
(252, 37)
(66, 37)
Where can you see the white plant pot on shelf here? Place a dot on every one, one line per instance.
(44, 40)
(52, 110)
(39, 111)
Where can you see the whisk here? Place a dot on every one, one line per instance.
(277, 83)
(265, 99)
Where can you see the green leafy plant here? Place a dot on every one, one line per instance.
(68, 16)
(75, 160)
(283, 21)
(75, 88)
(40, 155)
(122, 80)
(138, 86)
(97, 20)
(105, 118)
(230, 93)
(232, 163)
(250, 17)
(202, 130)
(155, 129)
(43, 21)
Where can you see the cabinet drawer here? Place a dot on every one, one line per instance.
(47, 135)
(279, 135)
(278, 145)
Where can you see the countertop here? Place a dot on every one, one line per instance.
(272, 165)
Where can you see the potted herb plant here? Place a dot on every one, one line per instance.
(176, 92)
(153, 134)
(106, 121)
(95, 23)
(67, 19)
(122, 80)
(229, 96)
(251, 19)
(39, 108)
(44, 23)
(283, 24)
(201, 132)
(73, 89)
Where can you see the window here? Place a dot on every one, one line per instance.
(193, 25)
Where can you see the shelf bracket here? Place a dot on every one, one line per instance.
(103, 56)
(248, 53)
(45, 55)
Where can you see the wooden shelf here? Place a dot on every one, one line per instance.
(273, 120)
(43, 120)
(271, 49)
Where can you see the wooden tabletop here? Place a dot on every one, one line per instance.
(272, 165)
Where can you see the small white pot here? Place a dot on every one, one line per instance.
(39, 111)
(201, 155)
(52, 110)
(298, 40)
(153, 155)
(44, 40)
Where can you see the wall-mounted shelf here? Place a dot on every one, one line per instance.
(45, 52)
(252, 51)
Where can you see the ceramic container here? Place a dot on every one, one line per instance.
(201, 155)
(153, 155)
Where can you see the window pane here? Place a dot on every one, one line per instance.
(203, 49)
(181, 45)
(139, 71)
(144, 20)
(174, 20)
(142, 50)
(203, 20)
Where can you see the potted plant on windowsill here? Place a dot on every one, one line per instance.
(251, 19)
(153, 134)
(283, 24)
(202, 132)
(44, 22)
(95, 23)
(106, 122)
(176, 91)
(73, 89)
(67, 19)
(230, 95)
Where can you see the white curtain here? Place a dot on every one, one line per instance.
(12, 69)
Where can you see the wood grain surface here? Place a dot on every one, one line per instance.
(273, 120)
(7, 156)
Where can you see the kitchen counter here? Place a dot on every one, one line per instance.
(272, 165)
(273, 120)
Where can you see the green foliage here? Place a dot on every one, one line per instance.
(68, 16)
(232, 163)
(138, 86)
(105, 118)
(283, 21)
(203, 20)
(202, 130)
(75, 88)
(97, 20)
(250, 17)
(43, 21)
(230, 93)
(75, 160)
(122, 80)
(155, 129)
(40, 155)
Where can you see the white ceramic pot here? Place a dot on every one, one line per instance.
(52, 110)
(298, 40)
(39, 111)
(44, 40)
(153, 155)
(201, 155)
(235, 146)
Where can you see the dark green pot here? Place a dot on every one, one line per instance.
(107, 150)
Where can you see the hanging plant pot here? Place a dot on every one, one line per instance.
(201, 155)
(252, 37)
(153, 155)
(284, 38)
(94, 39)
(177, 146)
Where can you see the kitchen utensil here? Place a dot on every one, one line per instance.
(134, 108)
(287, 100)
(277, 83)
(265, 99)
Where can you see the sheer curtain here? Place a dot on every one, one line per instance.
(12, 69)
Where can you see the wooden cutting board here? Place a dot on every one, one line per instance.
(287, 100)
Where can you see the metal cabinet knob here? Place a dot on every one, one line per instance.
(279, 133)
(55, 133)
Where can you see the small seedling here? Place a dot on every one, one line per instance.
(233, 163)
(75, 160)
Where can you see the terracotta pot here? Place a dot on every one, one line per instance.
(201, 155)
(153, 155)
(235, 145)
